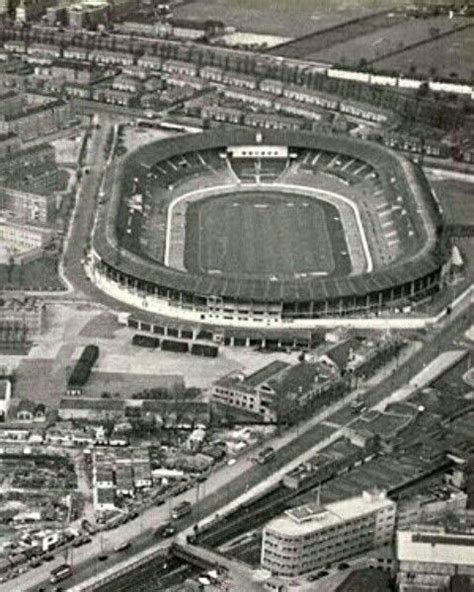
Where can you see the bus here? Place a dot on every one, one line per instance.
(181, 510)
(60, 573)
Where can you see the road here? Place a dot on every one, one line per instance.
(228, 482)
(84, 211)
(231, 482)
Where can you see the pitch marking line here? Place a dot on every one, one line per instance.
(318, 193)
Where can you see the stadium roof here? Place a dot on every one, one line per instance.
(429, 259)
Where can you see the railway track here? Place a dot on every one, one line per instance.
(155, 576)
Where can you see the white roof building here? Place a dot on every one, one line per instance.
(311, 536)
(429, 556)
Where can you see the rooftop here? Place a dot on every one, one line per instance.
(366, 580)
(313, 517)
(266, 373)
(435, 545)
(339, 354)
(35, 110)
(89, 403)
(5, 389)
(299, 379)
(44, 147)
(9, 94)
(31, 303)
(105, 495)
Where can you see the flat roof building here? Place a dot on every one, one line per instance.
(430, 556)
(21, 239)
(310, 536)
(26, 312)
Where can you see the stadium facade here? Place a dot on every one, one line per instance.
(391, 284)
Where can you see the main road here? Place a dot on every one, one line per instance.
(228, 483)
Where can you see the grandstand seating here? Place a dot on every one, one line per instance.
(347, 169)
(167, 173)
(388, 229)
(258, 170)
(380, 200)
(143, 215)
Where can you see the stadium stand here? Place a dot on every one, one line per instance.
(399, 217)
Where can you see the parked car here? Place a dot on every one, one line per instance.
(343, 566)
(317, 576)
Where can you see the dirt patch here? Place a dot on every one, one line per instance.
(103, 326)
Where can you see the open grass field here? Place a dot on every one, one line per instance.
(372, 40)
(38, 275)
(445, 57)
(320, 45)
(260, 235)
(281, 17)
(457, 199)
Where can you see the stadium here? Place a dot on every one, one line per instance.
(270, 230)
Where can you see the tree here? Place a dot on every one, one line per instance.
(423, 90)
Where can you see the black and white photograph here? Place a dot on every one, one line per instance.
(236, 295)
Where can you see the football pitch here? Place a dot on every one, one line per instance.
(264, 235)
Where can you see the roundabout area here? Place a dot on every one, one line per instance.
(280, 230)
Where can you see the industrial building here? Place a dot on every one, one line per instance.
(430, 557)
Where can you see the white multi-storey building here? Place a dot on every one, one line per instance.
(23, 238)
(311, 536)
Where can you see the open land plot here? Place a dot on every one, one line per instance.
(126, 385)
(40, 380)
(466, 246)
(38, 275)
(392, 34)
(68, 148)
(448, 57)
(130, 361)
(261, 235)
(452, 382)
(134, 137)
(282, 17)
(321, 41)
(457, 199)
(103, 326)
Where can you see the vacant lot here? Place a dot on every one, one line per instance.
(449, 57)
(457, 199)
(283, 17)
(379, 37)
(318, 46)
(260, 235)
(36, 275)
(126, 385)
